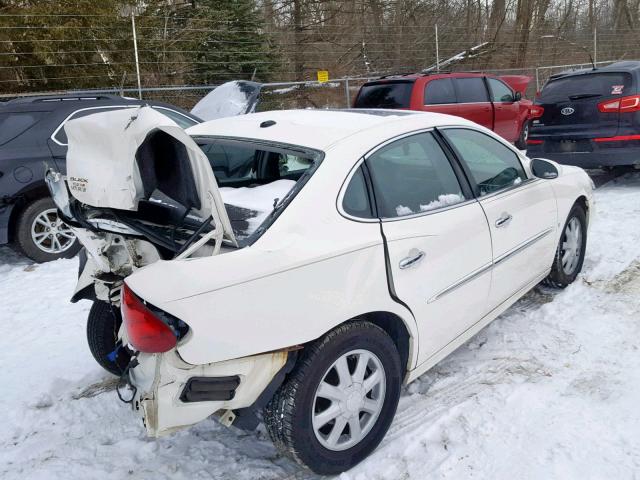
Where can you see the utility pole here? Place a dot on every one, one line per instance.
(595, 45)
(135, 49)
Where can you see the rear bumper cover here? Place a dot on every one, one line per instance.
(162, 379)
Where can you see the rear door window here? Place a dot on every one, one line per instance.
(412, 176)
(385, 95)
(471, 90)
(591, 85)
(14, 124)
(500, 92)
(439, 92)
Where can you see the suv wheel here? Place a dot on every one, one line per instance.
(42, 236)
(337, 404)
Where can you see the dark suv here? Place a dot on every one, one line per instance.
(589, 118)
(31, 136)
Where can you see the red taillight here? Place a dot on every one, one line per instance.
(622, 105)
(146, 332)
(619, 138)
(535, 142)
(536, 111)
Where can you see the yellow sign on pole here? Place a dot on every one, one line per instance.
(323, 76)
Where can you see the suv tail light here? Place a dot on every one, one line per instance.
(623, 104)
(149, 329)
(536, 111)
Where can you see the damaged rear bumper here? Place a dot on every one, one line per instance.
(171, 395)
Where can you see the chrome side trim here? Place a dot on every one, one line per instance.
(472, 276)
(489, 266)
(522, 246)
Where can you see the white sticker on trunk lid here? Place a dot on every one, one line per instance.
(617, 89)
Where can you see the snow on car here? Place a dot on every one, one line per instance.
(396, 239)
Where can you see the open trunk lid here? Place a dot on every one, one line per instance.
(134, 158)
(571, 102)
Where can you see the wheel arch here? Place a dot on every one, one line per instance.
(584, 203)
(397, 329)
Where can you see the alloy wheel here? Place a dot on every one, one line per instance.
(50, 234)
(571, 246)
(348, 400)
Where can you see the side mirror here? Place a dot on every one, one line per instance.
(517, 97)
(544, 169)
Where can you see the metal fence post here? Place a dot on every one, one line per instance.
(437, 51)
(347, 93)
(537, 80)
(135, 49)
(595, 45)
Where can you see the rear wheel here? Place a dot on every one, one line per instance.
(337, 404)
(569, 257)
(103, 325)
(42, 236)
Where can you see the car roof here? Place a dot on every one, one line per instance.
(320, 129)
(626, 66)
(410, 77)
(71, 102)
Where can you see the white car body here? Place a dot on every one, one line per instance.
(317, 267)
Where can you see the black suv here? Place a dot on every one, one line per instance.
(589, 118)
(31, 136)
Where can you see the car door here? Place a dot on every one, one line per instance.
(521, 210)
(440, 97)
(437, 237)
(473, 101)
(506, 109)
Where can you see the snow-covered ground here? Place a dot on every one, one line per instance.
(550, 390)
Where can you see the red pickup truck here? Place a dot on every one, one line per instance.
(494, 102)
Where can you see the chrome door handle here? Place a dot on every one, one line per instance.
(504, 220)
(414, 257)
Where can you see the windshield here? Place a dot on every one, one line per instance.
(385, 95)
(591, 85)
(257, 180)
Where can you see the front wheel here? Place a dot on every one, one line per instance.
(337, 404)
(569, 256)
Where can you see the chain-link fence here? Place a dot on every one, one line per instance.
(335, 93)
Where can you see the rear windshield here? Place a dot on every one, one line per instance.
(385, 95)
(257, 180)
(591, 85)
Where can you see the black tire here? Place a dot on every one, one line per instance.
(559, 278)
(521, 143)
(103, 324)
(24, 240)
(288, 416)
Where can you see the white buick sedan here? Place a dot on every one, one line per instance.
(302, 266)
